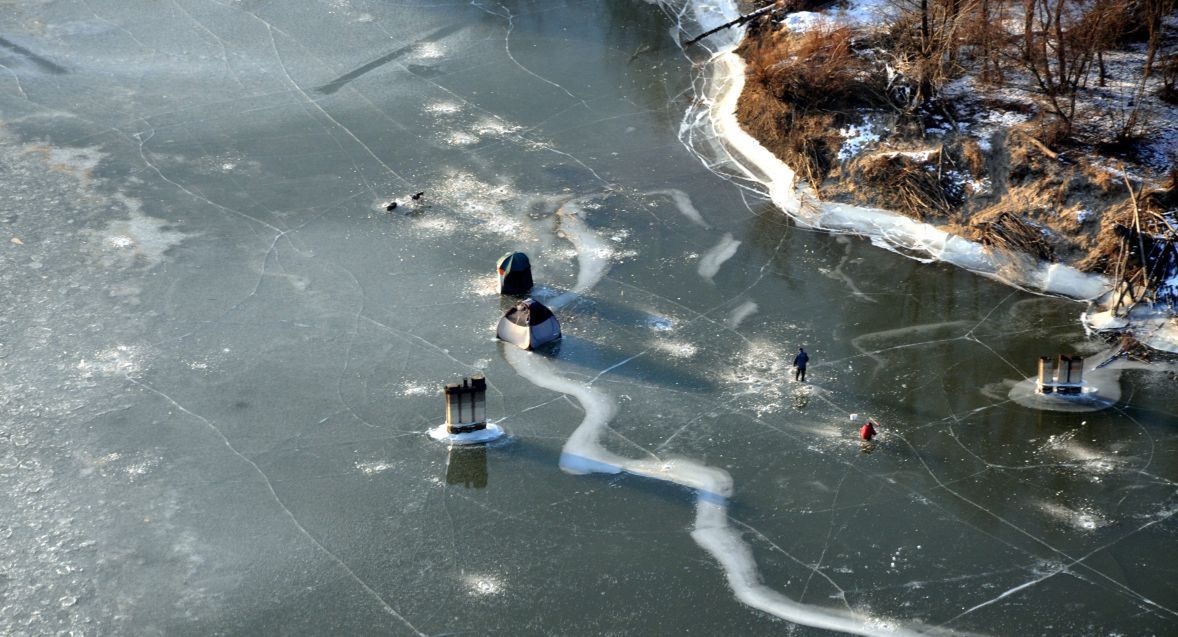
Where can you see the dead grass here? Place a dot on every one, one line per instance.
(814, 70)
(901, 183)
(973, 157)
(1098, 177)
(1010, 232)
(806, 141)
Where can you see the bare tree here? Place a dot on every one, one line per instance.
(1153, 11)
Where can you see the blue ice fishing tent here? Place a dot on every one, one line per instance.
(515, 273)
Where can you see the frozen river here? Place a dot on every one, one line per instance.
(219, 355)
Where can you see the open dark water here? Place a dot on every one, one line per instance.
(219, 355)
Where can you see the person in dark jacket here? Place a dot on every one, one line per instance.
(800, 363)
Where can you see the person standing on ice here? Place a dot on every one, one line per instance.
(800, 364)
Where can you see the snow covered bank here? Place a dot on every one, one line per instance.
(886, 229)
(711, 128)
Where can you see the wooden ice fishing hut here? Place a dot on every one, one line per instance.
(466, 405)
(1063, 375)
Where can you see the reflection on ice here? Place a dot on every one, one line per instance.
(467, 466)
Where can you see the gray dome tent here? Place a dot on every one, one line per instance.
(515, 273)
(528, 324)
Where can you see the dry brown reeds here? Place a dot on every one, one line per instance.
(815, 69)
(808, 141)
(1138, 247)
(1007, 231)
(973, 156)
(912, 187)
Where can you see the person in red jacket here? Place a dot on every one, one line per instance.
(867, 432)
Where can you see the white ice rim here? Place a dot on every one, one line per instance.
(442, 433)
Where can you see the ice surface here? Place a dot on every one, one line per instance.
(219, 352)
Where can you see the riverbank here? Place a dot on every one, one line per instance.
(964, 185)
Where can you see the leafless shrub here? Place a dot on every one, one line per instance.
(816, 69)
(972, 155)
(915, 188)
(1010, 232)
(1169, 89)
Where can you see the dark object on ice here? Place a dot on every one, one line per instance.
(390, 206)
(528, 325)
(417, 196)
(1065, 376)
(515, 273)
(466, 405)
(800, 363)
(867, 432)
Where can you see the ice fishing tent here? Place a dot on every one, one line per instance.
(528, 324)
(515, 273)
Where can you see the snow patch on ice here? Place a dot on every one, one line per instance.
(683, 203)
(480, 204)
(137, 239)
(461, 138)
(120, 360)
(482, 585)
(443, 108)
(710, 262)
(740, 313)
(413, 389)
(677, 349)
(374, 467)
(429, 51)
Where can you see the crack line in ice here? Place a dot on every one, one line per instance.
(1126, 590)
(339, 393)
(16, 78)
(1144, 430)
(143, 156)
(522, 135)
(274, 494)
(510, 17)
(154, 51)
(224, 47)
(413, 338)
(1065, 568)
(829, 533)
(838, 273)
(272, 249)
(285, 71)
